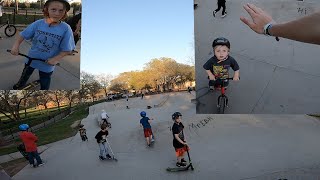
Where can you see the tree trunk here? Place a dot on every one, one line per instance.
(59, 106)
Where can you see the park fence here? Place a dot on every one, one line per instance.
(52, 119)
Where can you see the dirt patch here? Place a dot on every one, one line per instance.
(75, 124)
(13, 167)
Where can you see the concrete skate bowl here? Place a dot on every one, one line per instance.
(276, 77)
(136, 102)
(222, 146)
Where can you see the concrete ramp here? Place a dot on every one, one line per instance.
(222, 147)
(276, 77)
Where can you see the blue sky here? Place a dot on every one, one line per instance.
(120, 36)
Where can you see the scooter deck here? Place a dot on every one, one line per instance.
(32, 85)
(176, 169)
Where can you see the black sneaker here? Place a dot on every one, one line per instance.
(101, 158)
(108, 156)
(180, 164)
(15, 87)
(183, 161)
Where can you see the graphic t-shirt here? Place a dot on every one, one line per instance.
(47, 42)
(177, 129)
(145, 122)
(221, 70)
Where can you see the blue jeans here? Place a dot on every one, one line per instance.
(103, 150)
(45, 78)
(32, 155)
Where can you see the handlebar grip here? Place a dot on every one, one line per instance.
(8, 50)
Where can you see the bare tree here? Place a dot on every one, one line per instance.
(10, 102)
(71, 95)
(58, 97)
(104, 80)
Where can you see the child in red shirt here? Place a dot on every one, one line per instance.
(29, 140)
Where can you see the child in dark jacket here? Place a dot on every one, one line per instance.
(101, 138)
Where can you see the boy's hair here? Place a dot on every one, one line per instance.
(103, 126)
(46, 11)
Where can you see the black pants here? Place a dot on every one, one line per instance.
(221, 3)
(45, 78)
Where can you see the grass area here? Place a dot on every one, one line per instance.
(33, 118)
(54, 132)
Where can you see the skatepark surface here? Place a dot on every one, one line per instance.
(275, 77)
(222, 146)
(67, 76)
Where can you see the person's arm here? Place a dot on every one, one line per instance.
(305, 29)
(211, 76)
(33, 137)
(54, 60)
(178, 139)
(236, 75)
(78, 27)
(150, 120)
(207, 66)
(236, 68)
(16, 45)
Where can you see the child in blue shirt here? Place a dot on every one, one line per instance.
(51, 39)
(145, 123)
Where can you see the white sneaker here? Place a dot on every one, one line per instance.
(41, 164)
(152, 140)
(224, 15)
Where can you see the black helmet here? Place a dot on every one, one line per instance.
(221, 41)
(65, 2)
(176, 115)
(81, 125)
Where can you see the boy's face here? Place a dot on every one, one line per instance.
(221, 52)
(178, 120)
(56, 11)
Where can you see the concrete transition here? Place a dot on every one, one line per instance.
(222, 147)
(276, 77)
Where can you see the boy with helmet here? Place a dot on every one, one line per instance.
(145, 123)
(29, 140)
(218, 65)
(83, 132)
(51, 39)
(101, 138)
(104, 118)
(179, 141)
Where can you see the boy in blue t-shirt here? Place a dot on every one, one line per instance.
(51, 39)
(145, 123)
